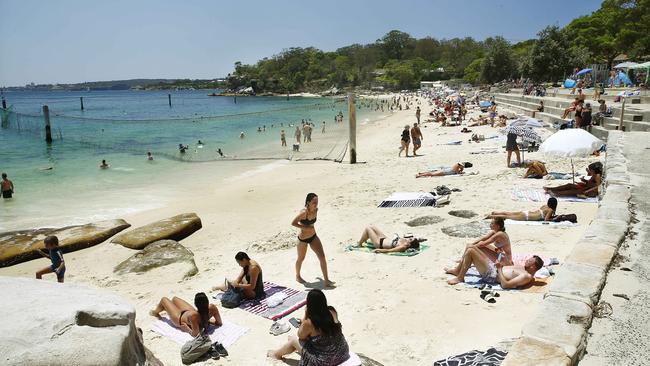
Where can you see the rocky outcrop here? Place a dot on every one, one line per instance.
(471, 229)
(158, 254)
(61, 324)
(424, 220)
(174, 228)
(21, 246)
(466, 214)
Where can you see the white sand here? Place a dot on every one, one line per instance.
(393, 309)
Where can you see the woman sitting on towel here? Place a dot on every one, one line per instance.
(494, 244)
(320, 339)
(249, 281)
(383, 245)
(536, 170)
(453, 170)
(586, 188)
(545, 213)
(186, 317)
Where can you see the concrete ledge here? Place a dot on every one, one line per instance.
(557, 334)
(561, 322)
(529, 351)
(593, 254)
(578, 280)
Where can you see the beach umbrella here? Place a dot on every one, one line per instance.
(624, 65)
(524, 132)
(571, 143)
(569, 83)
(583, 71)
(484, 104)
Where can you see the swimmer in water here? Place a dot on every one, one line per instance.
(241, 135)
(200, 143)
(182, 148)
(104, 165)
(149, 156)
(220, 152)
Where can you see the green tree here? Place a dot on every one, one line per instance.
(549, 56)
(472, 73)
(497, 64)
(396, 45)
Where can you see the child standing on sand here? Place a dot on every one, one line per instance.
(56, 256)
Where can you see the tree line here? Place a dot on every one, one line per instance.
(400, 61)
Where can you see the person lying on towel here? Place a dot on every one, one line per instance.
(494, 245)
(586, 188)
(508, 276)
(383, 245)
(545, 213)
(536, 169)
(455, 169)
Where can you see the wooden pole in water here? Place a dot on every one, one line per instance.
(352, 118)
(2, 116)
(81, 99)
(48, 129)
(4, 103)
(620, 122)
(169, 96)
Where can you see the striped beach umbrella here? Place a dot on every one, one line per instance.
(524, 132)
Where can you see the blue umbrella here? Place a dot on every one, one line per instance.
(569, 83)
(484, 104)
(583, 71)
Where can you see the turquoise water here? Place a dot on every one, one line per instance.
(61, 183)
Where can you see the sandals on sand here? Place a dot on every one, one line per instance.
(489, 296)
(278, 328)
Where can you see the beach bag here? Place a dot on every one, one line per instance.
(568, 217)
(231, 298)
(196, 348)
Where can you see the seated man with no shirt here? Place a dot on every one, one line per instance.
(507, 276)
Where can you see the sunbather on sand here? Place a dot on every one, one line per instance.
(586, 188)
(536, 169)
(545, 213)
(508, 276)
(453, 170)
(185, 316)
(383, 245)
(493, 244)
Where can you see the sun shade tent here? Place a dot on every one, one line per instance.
(571, 143)
(625, 65)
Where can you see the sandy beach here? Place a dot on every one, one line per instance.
(393, 309)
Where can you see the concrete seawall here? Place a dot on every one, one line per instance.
(557, 333)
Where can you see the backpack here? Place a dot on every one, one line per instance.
(568, 217)
(194, 349)
(231, 298)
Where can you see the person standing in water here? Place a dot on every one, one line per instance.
(104, 165)
(149, 156)
(7, 186)
(297, 134)
(283, 138)
(305, 221)
(323, 130)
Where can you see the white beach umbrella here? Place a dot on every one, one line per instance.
(624, 65)
(570, 143)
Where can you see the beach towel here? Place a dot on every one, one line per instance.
(492, 151)
(294, 300)
(541, 223)
(369, 248)
(409, 199)
(473, 279)
(491, 357)
(538, 195)
(227, 334)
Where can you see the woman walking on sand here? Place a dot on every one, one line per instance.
(305, 221)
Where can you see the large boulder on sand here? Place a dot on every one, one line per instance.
(22, 246)
(158, 254)
(174, 228)
(62, 324)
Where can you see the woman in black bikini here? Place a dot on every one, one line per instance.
(307, 236)
(383, 245)
(186, 317)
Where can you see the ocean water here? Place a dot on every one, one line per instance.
(61, 183)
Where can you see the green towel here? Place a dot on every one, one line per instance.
(369, 248)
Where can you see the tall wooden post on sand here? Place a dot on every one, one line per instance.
(48, 129)
(81, 100)
(352, 117)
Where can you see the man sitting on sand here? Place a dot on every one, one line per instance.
(506, 276)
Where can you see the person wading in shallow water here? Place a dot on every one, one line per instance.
(7, 186)
(305, 221)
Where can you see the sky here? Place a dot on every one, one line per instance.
(69, 41)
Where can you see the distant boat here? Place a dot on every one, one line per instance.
(213, 95)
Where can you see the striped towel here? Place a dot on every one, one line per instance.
(538, 195)
(295, 299)
(409, 199)
(227, 334)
